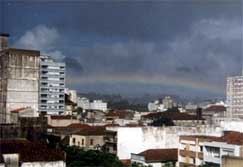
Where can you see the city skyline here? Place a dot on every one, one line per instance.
(134, 47)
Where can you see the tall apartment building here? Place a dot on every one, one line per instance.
(234, 93)
(52, 84)
(19, 79)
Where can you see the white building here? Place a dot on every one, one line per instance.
(153, 106)
(86, 104)
(231, 145)
(52, 84)
(234, 96)
(137, 139)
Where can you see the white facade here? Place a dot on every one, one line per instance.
(52, 84)
(234, 99)
(44, 164)
(213, 151)
(86, 104)
(137, 139)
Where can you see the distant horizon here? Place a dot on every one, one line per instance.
(134, 48)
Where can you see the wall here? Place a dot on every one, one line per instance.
(44, 164)
(97, 140)
(232, 161)
(19, 80)
(232, 125)
(137, 139)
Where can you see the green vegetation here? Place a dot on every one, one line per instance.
(76, 157)
(92, 158)
(162, 122)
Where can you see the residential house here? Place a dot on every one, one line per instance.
(91, 138)
(155, 157)
(190, 152)
(231, 144)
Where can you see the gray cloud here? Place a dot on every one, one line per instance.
(198, 41)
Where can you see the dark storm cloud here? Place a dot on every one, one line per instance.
(73, 67)
(154, 20)
(187, 40)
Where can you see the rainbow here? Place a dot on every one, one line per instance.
(148, 80)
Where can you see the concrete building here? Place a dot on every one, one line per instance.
(190, 151)
(91, 138)
(168, 102)
(86, 104)
(61, 120)
(137, 139)
(229, 161)
(234, 96)
(231, 144)
(19, 79)
(52, 84)
(153, 106)
(110, 140)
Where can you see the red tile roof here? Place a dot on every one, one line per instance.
(160, 155)
(92, 131)
(120, 114)
(171, 115)
(78, 126)
(19, 110)
(216, 108)
(126, 162)
(62, 117)
(232, 137)
(29, 151)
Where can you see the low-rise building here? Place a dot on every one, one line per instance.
(112, 116)
(230, 144)
(91, 138)
(110, 139)
(155, 157)
(61, 120)
(86, 104)
(23, 153)
(229, 161)
(190, 152)
(209, 150)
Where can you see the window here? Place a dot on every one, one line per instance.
(91, 141)
(82, 142)
(73, 140)
(201, 148)
(78, 143)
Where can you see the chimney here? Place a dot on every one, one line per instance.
(3, 41)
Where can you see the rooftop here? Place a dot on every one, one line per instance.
(229, 137)
(92, 131)
(159, 155)
(172, 116)
(218, 108)
(29, 151)
(59, 117)
(119, 113)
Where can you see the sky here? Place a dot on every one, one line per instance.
(181, 47)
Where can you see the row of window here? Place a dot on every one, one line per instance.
(91, 142)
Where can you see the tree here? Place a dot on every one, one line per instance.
(92, 158)
(162, 122)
